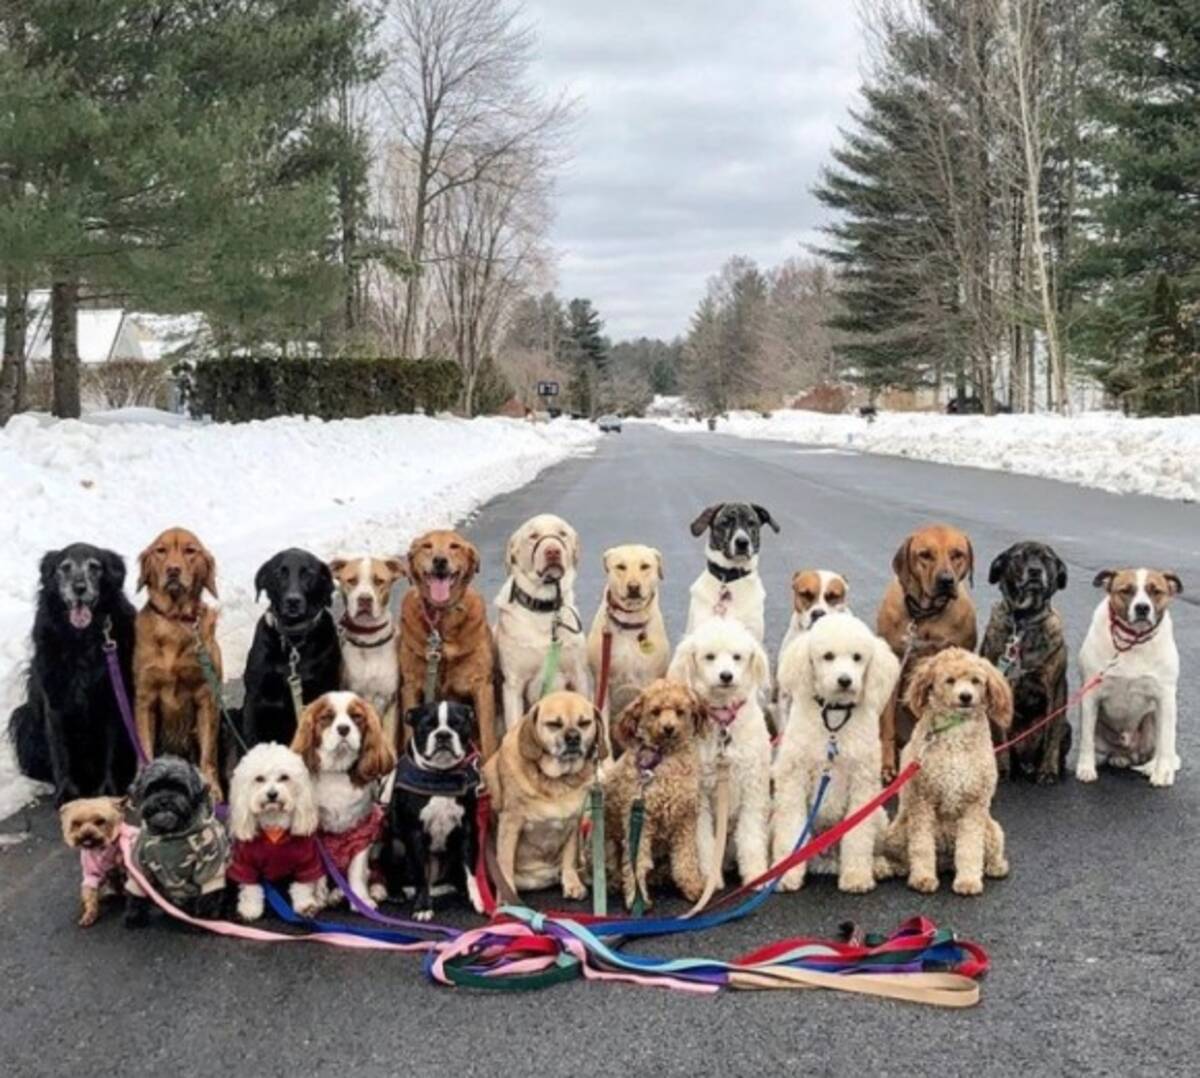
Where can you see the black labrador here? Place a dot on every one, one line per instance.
(296, 633)
(69, 730)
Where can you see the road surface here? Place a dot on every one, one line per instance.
(1087, 936)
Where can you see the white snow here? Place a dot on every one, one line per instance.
(1107, 450)
(247, 490)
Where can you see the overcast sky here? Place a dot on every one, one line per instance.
(704, 124)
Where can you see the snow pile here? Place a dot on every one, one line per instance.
(247, 490)
(1098, 449)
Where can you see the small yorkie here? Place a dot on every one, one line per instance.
(92, 825)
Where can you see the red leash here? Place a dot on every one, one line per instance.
(1083, 690)
(606, 640)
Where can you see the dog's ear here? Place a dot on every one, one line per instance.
(472, 561)
(764, 517)
(411, 716)
(1000, 697)
(527, 740)
(704, 521)
(604, 559)
(397, 565)
(305, 815)
(576, 547)
(1174, 584)
(970, 564)
(376, 758)
(626, 727)
(208, 577)
(114, 569)
(323, 590)
(1060, 571)
(146, 576)
(699, 713)
(48, 567)
(512, 551)
(336, 565)
(1104, 579)
(795, 666)
(760, 666)
(307, 741)
(262, 578)
(920, 685)
(659, 560)
(902, 563)
(600, 745)
(882, 675)
(683, 667)
(998, 567)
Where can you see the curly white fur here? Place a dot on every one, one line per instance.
(723, 664)
(840, 661)
(271, 787)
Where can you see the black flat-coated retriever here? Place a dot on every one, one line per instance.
(69, 730)
(300, 589)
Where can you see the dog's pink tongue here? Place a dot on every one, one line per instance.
(439, 589)
(81, 616)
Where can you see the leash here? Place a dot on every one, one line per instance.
(606, 643)
(117, 681)
(1124, 636)
(209, 670)
(599, 865)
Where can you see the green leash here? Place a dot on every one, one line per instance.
(209, 670)
(637, 819)
(550, 667)
(599, 866)
(955, 718)
(433, 664)
(294, 682)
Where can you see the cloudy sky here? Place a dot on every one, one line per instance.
(704, 124)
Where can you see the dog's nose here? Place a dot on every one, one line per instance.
(80, 587)
(726, 677)
(440, 564)
(572, 737)
(272, 794)
(292, 604)
(634, 591)
(364, 603)
(553, 553)
(845, 681)
(1034, 572)
(741, 544)
(442, 737)
(343, 729)
(945, 581)
(966, 697)
(173, 571)
(1141, 610)
(668, 730)
(815, 615)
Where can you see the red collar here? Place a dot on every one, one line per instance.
(187, 619)
(1124, 635)
(352, 626)
(724, 716)
(631, 626)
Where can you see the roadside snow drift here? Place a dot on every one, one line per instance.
(247, 490)
(1101, 449)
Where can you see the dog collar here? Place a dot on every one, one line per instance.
(187, 619)
(1125, 636)
(293, 632)
(919, 612)
(457, 781)
(647, 758)
(724, 716)
(351, 626)
(628, 626)
(726, 574)
(530, 602)
(827, 709)
(949, 721)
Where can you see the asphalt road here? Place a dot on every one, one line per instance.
(1087, 936)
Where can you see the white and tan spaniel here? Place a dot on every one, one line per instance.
(726, 668)
(535, 606)
(839, 676)
(1130, 719)
(815, 593)
(341, 740)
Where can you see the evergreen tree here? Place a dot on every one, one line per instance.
(1141, 270)
(586, 356)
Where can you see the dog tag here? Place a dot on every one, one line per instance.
(646, 645)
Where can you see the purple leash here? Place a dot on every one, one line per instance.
(112, 660)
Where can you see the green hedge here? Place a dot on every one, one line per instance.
(242, 388)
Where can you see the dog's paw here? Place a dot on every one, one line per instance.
(573, 888)
(968, 885)
(923, 883)
(1047, 777)
(883, 868)
(423, 914)
(88, 918)
(377, 892)
(333, 897)
(887, 773)
(309, 909)
(369, 901)
(997, 870)
(792, 880)
(250, 907)
(856, 883)
(1160, 772)
(1085, 772)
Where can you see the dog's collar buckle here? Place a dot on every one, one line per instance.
(534, 604)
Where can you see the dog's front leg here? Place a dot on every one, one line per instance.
(470, 854)
(358, 877)
(686, 871)
(791, 805)
(89, 906)
(137, 906)
(304, 898)
(706, 851)
(60, 757)
(1089, 711)
(483, 697)
(250, 903)
(1054, 749)
(1162, 766)
(754, 819)
(922, 849)
(887, 734)
(856, 851)
(572, 885)
(513, 696)
(208, 723)
(508, 834)
(968, 850)
(144, 698)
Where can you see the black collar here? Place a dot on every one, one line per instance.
(530, 602)
(922, 613)
(290, 634)
(727, 574)
(846, 710)
(1021, 620)
(427, 781)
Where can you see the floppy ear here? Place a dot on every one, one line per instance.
(48, 567)
(882, 675)
(305, 743)
(324, 591)
(1000, 697)
(764, 517)
(683, 663)
(626, 728)
(512, 551)
(920, 685)
(760, 666)
(410, 716)
(209, 578)
(114, 569)
(305, 817)
(398, 566)
(970, 563)
(262, 578)
(472, 561)
(600, 745)
(376, 758)
(1174, 584)
(795, 667)
(704, 521)
(576, 547)
(901, 564)
(659, 559)
(336, 565)
(527, 742)
(242, 826)
(998, 566)
(146, 577)
(1104, 579)
(1060, 573)
(699, 713)
(604, 559)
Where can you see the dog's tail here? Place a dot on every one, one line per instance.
(28, 735)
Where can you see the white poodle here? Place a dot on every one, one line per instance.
(839, 677)
(273, 820)
(722, 663)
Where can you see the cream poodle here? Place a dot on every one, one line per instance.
(838, 676)
(945, 809)
(660, 764)
(723, 664)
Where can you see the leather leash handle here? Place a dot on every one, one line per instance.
(931, 989)
(606, 640)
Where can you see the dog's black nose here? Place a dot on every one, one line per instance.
(80, 587)
(572, 737)
(634, 590)
(1034, 572)
(293, 604)
(343, 729)
(442, 737)
(966, 697)
(741, 544)
(815, 615)
(945, 581)
(1141, 610)
(845, 681)
(726, 677)
(440, 564)
(272, 794)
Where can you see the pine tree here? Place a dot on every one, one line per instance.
(587, 357)
(1141, 271)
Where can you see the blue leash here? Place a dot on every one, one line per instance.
(283, 910)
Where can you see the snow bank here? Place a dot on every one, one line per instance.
(1098, 449)
(247, 490)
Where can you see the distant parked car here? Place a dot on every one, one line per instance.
(972, 405)
(609, 423)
